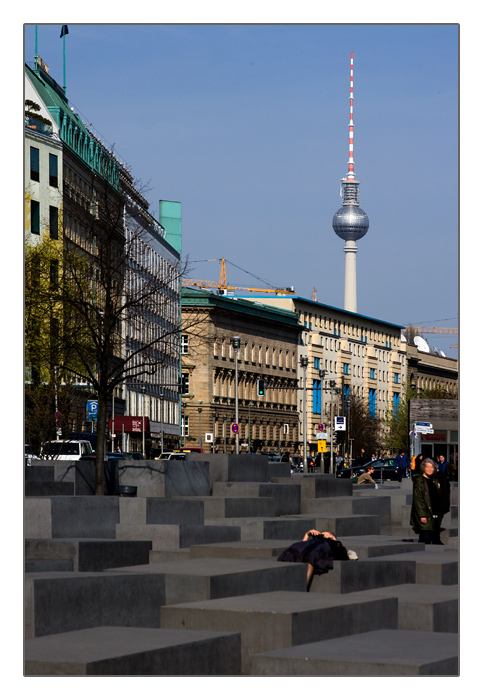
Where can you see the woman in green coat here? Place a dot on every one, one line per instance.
(426, 510)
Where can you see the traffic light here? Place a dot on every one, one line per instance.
(261, 387)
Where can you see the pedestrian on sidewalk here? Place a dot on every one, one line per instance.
(402, 463)
(426, 509)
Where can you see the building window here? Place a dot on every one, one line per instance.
(54, 274)
(185, 426)
(34, 164)
(346, 368)
(34, 216)
(395, 403)
(185, 383)
(316, 391)
(372, 373)
(372, 403)
(184, 345)
(54, 222)
(53, 170)
(316, 362)
(396, 378)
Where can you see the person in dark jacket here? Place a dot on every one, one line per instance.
(426, 509)
(402, 463)
(318, 550)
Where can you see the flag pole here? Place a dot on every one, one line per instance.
(63, 38)
(36, 48)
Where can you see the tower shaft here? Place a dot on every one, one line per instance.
(350, 286)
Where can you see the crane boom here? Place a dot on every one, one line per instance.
(223, 287)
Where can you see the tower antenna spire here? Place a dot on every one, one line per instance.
(351, 174)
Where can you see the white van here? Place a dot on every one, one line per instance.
(67, 449)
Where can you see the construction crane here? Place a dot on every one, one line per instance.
(433, 329)
(222, 286)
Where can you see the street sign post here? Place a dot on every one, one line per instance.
(91, 410)
(339, 423)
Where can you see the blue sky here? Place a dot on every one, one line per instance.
(247, 126)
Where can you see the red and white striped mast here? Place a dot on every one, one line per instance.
(350, 174)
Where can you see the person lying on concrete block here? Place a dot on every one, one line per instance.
(318, 550)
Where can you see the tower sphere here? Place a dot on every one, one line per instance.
(350, 222)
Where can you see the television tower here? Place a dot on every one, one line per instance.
(350, 222)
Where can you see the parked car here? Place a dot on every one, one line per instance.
(67, 449)
(383, 468)
(274, 458)
(132, 455)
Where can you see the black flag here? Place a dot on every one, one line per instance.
(64, 30)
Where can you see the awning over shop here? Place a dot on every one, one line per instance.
(132, 424)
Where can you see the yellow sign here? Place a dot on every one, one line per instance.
(321, 445)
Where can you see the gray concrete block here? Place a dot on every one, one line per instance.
(89, 555)
(157, 556)
(433, 566)
(36, 565)
(71, 516)
(318, 485)
(340, 525)
(209, 578)
(347, 505)
(377, 653)
(61, 602)
(362, 575)
(205, 534)
(161, 536)
(133, 651)
(232, 467)
(48, 488)
(282, 618)
(37, 517)
(368, 546)
(267, 528)
(167, 511)
(243, 507)
(85, 516)
(240, 550)
(426, 608)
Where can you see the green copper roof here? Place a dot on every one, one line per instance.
(195, 297)
(72, 130)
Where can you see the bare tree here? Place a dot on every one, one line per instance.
(121, 319)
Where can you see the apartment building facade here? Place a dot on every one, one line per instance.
(268, 351)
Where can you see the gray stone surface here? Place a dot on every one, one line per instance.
(61, 602)
(209, 578)
(132, 651)
(365, 574)
(283, 618)
(88, 554)
(348, 505)
(377, 653)
(223, 571)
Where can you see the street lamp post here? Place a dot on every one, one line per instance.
(235, 342)
(214, 427)
(224, 433)
(200, 441)
(304, 362)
